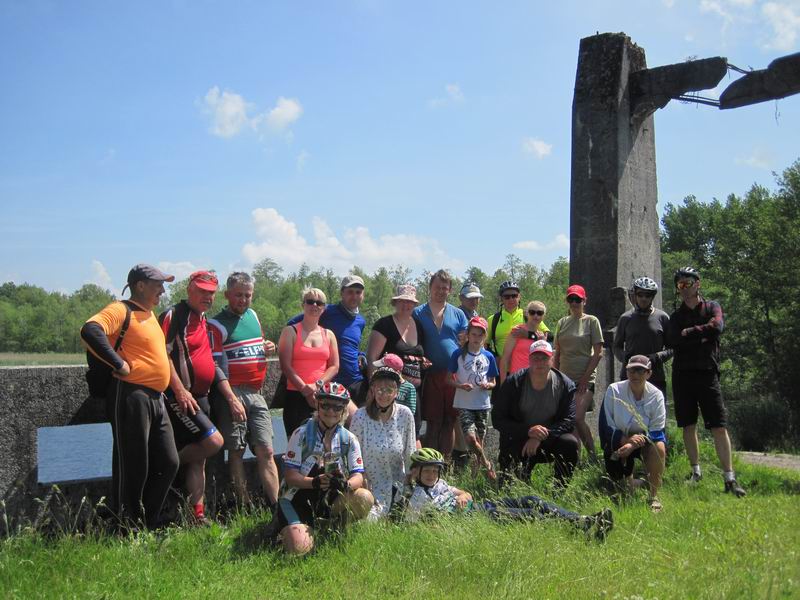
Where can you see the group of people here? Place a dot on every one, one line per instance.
(371, 432)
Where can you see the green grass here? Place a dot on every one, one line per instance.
(18, 359)
(705, 544)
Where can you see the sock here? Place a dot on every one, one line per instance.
(696, 470)
(729, 476)
(199, 511)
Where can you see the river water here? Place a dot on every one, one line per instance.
(84, 451)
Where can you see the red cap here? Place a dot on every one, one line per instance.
(576, 290)
(479, 322)
(205, 280)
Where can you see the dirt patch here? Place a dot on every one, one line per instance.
(782, 461)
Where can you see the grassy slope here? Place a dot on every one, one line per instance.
(16, 359)
(704, 544)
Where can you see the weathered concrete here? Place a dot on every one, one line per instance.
(613, 220)
(33, 397)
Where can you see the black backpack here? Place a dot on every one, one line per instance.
(98, 377)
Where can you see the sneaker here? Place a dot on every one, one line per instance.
(655, 504)
(734, 488)
(603, 523)
(201, 521)
(694, 477)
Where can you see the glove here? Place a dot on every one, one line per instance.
(339, 484)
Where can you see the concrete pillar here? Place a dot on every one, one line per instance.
(613, 221)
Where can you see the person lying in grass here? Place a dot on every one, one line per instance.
(428, 493)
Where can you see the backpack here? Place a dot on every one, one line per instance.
(492, 343)
(98, 377)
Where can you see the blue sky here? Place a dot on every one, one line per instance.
(213, 134)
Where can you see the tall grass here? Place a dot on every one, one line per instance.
(705, 544)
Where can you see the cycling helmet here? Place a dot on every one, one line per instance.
(385, 372)
(333, 391)
(427, 456)
(686, 272)
(645, 284)
(508, 285)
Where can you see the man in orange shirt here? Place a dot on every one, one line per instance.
(146, 459)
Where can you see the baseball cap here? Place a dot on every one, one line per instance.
(576, 290)
(390, 360)
(639, 361)
(143, 272)
(470, 290)
(542, 346)
(479, 322)
(351, 280)
(205, 280)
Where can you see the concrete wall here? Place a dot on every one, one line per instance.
(33, 397)
(613, 221)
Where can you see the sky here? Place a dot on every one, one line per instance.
(215, 134)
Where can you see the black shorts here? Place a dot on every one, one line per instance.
(304, 508)
(189, 428)
(693, 389)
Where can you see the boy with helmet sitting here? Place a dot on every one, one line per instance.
(428, 494)
(323, 474)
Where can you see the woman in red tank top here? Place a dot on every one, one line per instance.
(308, 353)
(515, 352)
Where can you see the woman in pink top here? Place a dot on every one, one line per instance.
(515, 352)
(309, 357)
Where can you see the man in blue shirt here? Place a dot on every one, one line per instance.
(347, 325)
(442, 323)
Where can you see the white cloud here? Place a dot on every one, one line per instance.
(280, 240)
(100, 276)
(759, 159)
(108, 157)
(785, 22)
(301, 160)
(231, 114)
(560, 241)
(181, 269)
(536, 147)
(286, 112)
(453, 95)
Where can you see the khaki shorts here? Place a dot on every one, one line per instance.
(256, 431)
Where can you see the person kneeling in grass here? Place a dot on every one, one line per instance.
(632, 423)
(428, 494)
(323, 474)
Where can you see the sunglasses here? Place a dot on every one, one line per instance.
(574, 299)
(311, 302)
(385, 391)
(331, 407)
(509, 296)
(539, 313)
(686, 284)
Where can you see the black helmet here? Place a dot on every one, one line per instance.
(508, 285)
(686, 272)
